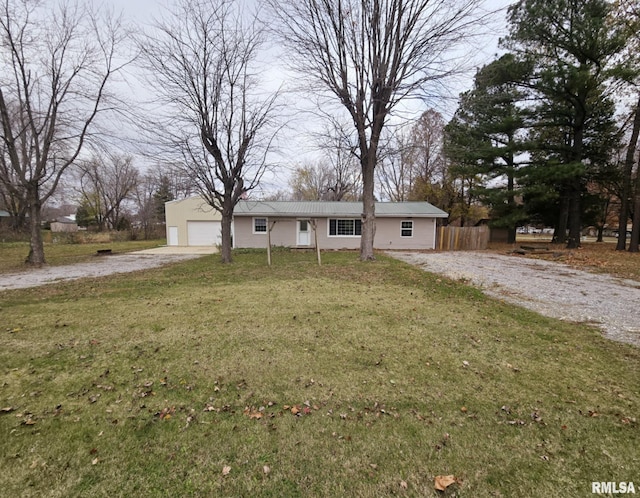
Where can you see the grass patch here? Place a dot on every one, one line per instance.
(350, 379)
(14, 254)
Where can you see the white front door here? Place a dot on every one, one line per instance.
(304, 237)
(172, 239)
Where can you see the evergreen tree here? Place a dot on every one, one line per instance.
(572, 48)
(486, 135)
(162, 195)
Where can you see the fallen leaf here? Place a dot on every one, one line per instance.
(266, 470)
(463, 409)
(7, 409)
(166, 413)
(404, 485)
(295, 410)
(225, 470)
(94, 461)
(443, 482)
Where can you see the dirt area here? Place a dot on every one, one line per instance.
(101, 266)
(549, 288)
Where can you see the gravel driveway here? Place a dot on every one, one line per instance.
(99, 267)
(551, 289)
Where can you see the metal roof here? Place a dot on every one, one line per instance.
(325, 209)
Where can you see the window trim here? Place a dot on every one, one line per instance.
(353, 236)
(402, 229)
(253, 225)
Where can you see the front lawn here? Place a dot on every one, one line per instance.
(350, 379)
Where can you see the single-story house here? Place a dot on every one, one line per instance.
(64, 224)
(192, 222)
(330, 225)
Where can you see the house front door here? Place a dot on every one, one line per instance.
(304, 237)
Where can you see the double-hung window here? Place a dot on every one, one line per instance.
(345, 227)
(259, 225)
(406, 228)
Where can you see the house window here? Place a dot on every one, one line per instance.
(259, 225)
(406, 229)
(345, 228)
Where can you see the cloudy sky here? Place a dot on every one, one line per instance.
(301, 146)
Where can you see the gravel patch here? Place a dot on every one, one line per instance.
(551, 289)
(99, 267)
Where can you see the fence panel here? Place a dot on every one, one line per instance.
(463, 238)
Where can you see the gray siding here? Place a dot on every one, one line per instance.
(388, 234)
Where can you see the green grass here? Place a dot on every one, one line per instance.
(150, 384)
(14, 254)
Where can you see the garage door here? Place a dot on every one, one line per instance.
(203, 233)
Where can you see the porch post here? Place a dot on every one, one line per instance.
(269, 242)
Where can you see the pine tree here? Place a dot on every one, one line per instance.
(572, 48)
(486, 135)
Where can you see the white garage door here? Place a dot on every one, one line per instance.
(203, 233)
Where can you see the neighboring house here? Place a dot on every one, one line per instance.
(192, 222)
(64, 224)
(332, 225)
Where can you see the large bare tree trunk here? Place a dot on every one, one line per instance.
(560, 234)
(227, 219)
(36, 244)
(626, 189)
(634, 243)
(573, 242)
(368, 213)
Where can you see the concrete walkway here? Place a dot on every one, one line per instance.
(199, 250)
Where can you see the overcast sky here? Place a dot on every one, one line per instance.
(302, 147)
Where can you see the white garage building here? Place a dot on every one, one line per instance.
(192, 222)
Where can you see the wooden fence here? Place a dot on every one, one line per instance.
(463, 238)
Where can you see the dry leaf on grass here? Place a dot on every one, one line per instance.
(225, 470)
(443, 482)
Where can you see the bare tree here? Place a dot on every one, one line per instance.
(106, 182)
(413, 158)
(55, 64)
(153, 190)
(202, 59)
(343, 181)
(396, 173)
(370, 55)
(323, 181)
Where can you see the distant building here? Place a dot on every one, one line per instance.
(64, 224)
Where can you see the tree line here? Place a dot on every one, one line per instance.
(538, 136)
